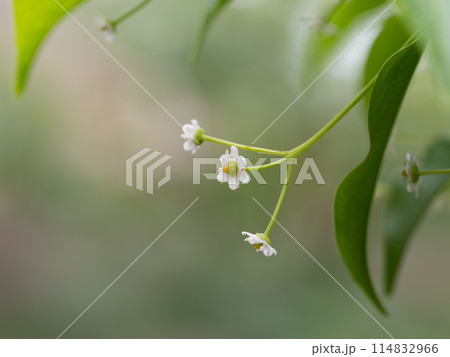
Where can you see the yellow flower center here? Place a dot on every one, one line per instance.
(231, 168)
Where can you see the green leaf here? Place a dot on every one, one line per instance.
(352, 9)
(213, 10)
(405, 211)
(33, 20)
(433, 18)
(337, 23)
(390, 40)
(355, 193)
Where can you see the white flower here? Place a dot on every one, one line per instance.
(233, 169)
(107, 29)
(411, 173)
(192, 133)
(260, 243)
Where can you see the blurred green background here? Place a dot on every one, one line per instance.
(69, 225)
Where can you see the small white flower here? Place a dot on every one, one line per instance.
(411, 173)
(107, 29)
(233, 169)
(260, 243)
(192, 133)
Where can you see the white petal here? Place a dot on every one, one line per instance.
(187, 127)
(240, 164)
(222, 176)
(243, 176)
(189, 130)
(233, 184)
(234, 151)
(195, 149)
(269, 251)
(253, 238)
(195, 123)
(188, 145)
(110, 37)
(224, 159)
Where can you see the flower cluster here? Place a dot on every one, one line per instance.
(233, 171)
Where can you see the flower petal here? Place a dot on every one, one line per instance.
(224, 159)
(233, 184)
(243, 176)
(195, 123)
(188, 145)
(253, 238)
(222, 176)
(241, 162)
(187, 127)
(269, 251)
(234, 151)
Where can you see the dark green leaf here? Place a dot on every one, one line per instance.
(433, 19)
(390, 40)
(355, 193)
(34, 19)
(213, 10)
(405, 211)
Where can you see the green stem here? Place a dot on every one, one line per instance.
(129, 13)
(244, 147)
(308, 143)
(434, 172)
(297, 151)
(280, 201)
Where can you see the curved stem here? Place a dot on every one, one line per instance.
(434, 172)
(244, 147)
(297, 151)
(303, 147)
(280, 201)
(267, 166)
(130, 13)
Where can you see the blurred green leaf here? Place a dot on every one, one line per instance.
(354, 195)
(213, 10)
(334, 26)
(405, 211)
(33, 20)
(390, 40)
(351, 9)
(433, 19)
